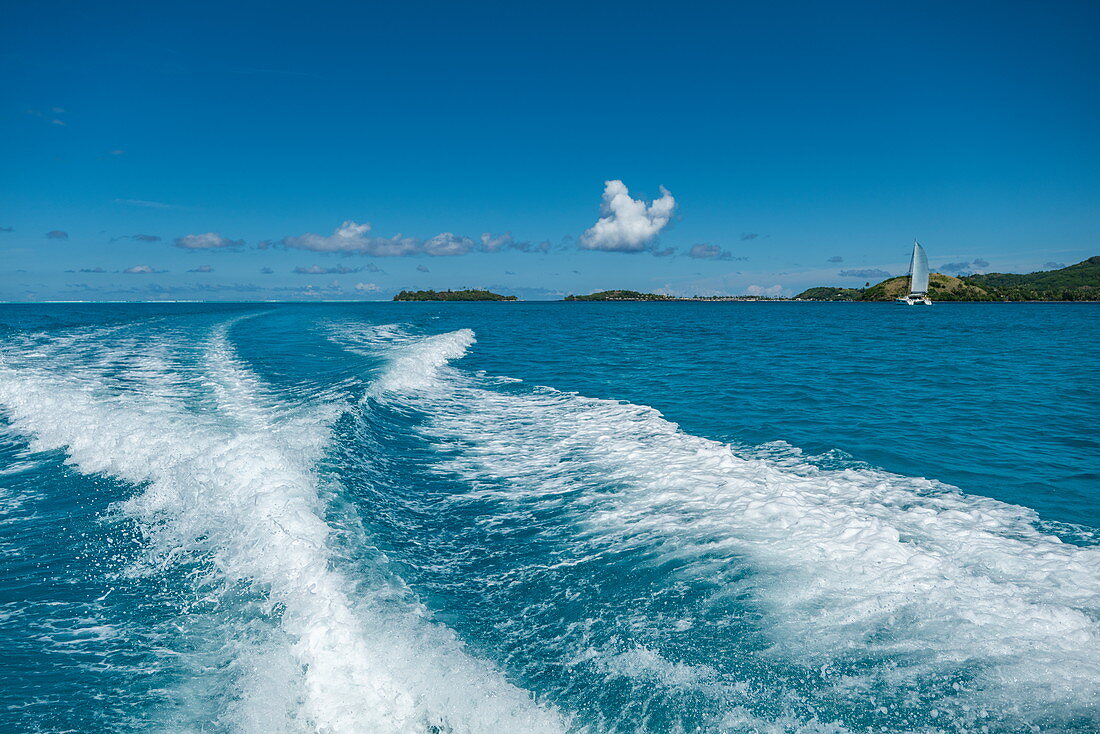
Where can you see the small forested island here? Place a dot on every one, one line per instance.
(1080, 282)
(464, 295)
(618, 295)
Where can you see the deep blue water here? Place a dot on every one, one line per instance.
(713, 517)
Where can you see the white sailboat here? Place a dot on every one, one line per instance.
(918, 278)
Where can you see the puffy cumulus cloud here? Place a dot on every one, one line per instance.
(494, 243)
(353, 238)
(1051, 265)
(367, 287)
(866, 273)
(447, 244)
(202, 269)
(835, 259)
(627, 225)
(57, 234)
(423, 268)
(318, 270)
(142, 270)
(759, 290)
(206, 241)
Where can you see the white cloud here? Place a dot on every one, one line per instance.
(318, 270)
(493, 243)
(627, 225)
(352, 237)
(141, 270)
(448, 244)
(206, 241)
(367, 287)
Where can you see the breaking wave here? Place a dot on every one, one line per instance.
(949, 612)
(226, 487)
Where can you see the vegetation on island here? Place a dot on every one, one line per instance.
(828, 293)
(1080, 282)
(620, 296)
(463, 295)
(940, 288)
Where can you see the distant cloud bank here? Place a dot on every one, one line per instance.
(866, 273)
(318, 270)
(711, 252)
(147, 204)
(354, 238)
(627, 225)
(206, 241)
(964, 268)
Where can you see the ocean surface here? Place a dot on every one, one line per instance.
(550, 517)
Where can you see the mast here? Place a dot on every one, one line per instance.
(912, 262)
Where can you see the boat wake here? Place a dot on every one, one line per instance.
(405, 544)
(226, 488)
(860, 597)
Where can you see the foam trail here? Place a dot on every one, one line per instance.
(236, 485)
(923, 590)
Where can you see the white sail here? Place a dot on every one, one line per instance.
(918, 270)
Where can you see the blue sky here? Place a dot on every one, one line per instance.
(348, 150)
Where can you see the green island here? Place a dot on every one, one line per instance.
(463, 295)
(1080, 282)
(619, 295)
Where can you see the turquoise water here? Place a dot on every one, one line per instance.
(585, 517)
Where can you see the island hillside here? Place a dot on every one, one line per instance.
(1080, 282)
(463, 295)
(620, 296)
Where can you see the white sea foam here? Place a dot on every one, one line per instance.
(902, 578)
(235, 485)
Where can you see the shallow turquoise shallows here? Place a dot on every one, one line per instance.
(540, 517)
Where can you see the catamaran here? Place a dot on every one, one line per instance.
(918, 278)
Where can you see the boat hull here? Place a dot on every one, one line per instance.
(914, 299)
